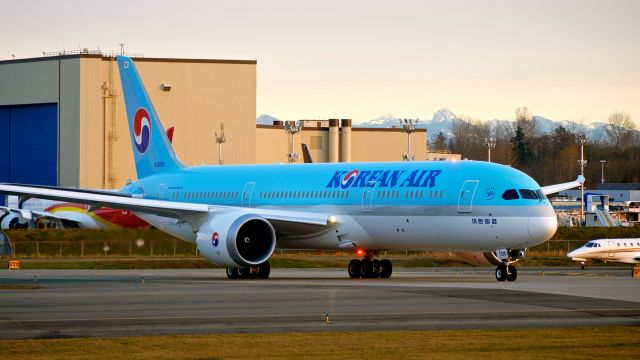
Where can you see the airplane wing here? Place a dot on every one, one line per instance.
(564, 186)
(194, 214)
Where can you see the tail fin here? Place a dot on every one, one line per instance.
(306, 155)
(152, 149)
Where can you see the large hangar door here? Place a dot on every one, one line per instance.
(29, 144)
(4, 148)
(34, 145)
(4, 144)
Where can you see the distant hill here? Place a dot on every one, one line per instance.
(265, 119)
(441, 120)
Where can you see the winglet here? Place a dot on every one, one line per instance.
(551, 189)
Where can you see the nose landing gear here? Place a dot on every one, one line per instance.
(505, 270)
(369, 267)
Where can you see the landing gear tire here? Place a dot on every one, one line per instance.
(366, 269)
(512, 275)
(369, 267)
(232, 273)
(264, 270)
(501, 273)
(385, 268)
(244, 273)
(354, 268)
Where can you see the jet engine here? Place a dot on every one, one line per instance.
(13, 221)
(479, 258)
(237, 239)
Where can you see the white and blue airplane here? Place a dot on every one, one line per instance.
(238, 214)
(608, 250)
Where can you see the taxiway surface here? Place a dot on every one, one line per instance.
(85, 303)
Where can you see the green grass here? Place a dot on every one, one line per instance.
(554, 343)
(153, 249)
(590, 233)
(19, 287)
(305, 261)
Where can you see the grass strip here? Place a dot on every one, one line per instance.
(551, 343)
(19, 287)
(276, 261)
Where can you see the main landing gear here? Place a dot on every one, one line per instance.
(506, 271)
(369, 267)
(261, 271)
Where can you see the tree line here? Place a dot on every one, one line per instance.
(549, 158)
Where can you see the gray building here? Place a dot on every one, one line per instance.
(615, 195)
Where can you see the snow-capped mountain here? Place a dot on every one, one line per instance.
(265, 119)
(441, 121)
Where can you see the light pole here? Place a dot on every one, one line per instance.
(582, 162)
(220, 139)
(602, 162)
(408, 127)
(291, 128)
(490, 144)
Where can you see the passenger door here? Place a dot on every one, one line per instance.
(367, 195)
(246, 194)
(465, 200)
(611, 252)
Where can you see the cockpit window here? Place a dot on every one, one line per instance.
(541, 194)
(528, 194)
(510, 194)
(590, 244)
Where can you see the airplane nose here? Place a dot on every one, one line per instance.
(542, 228)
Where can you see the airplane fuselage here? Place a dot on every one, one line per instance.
(403, 205)
(608, 250)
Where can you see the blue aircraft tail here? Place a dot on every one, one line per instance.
(152, 149)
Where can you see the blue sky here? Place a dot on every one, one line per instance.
(564, 59)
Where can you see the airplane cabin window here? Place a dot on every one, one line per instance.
(510, 194)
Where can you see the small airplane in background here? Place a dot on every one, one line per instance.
(625, 251)
(39, 213)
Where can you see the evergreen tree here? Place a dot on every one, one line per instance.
(522, 152)
(440, 142)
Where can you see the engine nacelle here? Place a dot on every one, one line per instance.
(13, 221)
(479, 258)
(237, 239)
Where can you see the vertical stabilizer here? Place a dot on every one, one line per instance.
(152, 149)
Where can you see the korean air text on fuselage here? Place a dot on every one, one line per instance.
(383, 178)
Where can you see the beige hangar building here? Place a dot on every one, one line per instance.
(63, 120)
